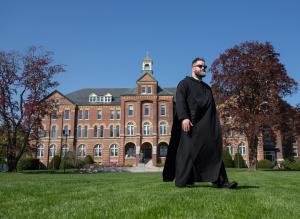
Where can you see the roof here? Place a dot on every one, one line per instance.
(81, 97)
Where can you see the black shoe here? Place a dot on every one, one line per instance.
(226, 185)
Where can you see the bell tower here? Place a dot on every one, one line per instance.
(147, 65)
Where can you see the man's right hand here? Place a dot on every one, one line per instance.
(186, 125)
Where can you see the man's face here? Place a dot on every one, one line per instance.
(199, 68)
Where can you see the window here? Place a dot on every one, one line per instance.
(101, 131)
(295, 149)
(86, 114)
(95, 131)
(162, 110)
(40, 151)
(146, 110)
(118, 114)
(52, 151)
(98, 150)
(86, 130)
(111, 131)
(130, 128)
(54, 114)
(146, 90)
(146, 128)
(79, 132)
(82, 150)
(230, 149)
(229, 132)
(99, 114)
(130, 151)
(242, 149)
(228, 118)
(242, 131)
(130, 110)
(93, 98)
(163, 150)
(67, 114)
(53, 132)
(163, 128)
(118, 131)
(149, 90)
(66, 130)
(112, 114)
(80, 114)
(114, 150)
(42, 132)
(64, 150)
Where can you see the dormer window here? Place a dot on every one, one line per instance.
(93, 98)
(146, 90)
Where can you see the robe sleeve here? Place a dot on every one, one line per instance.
(181, 104)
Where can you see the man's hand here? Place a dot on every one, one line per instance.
(186, 125)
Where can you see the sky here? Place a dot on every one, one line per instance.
(102, 43)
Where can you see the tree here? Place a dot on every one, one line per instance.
(25, 80)
(250, 81)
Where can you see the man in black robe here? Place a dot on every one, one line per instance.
(195, 148)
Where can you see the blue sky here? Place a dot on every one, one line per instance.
(102, 43)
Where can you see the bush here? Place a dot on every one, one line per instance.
(80, 164)
(291, 164)
(55, 162)
(227, 159)
(29, 163)
(239, 161)
(265, 164)
(68, 161)
(88, 159)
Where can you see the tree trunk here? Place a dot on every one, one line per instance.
(253, 142)
(11, 160)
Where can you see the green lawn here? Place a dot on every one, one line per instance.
(261, 194)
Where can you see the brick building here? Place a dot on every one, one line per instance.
(120, 125)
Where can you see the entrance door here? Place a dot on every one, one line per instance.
(146, 153)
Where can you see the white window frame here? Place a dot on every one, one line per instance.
(146, 106)
(130, 128)
(40, 151)
(242, 149)
(165, 110)
(113, 150)
(130, 109)
(98, 150)
(82, 150)
(146, 128)
(162, 129)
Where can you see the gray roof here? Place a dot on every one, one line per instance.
(81, 97)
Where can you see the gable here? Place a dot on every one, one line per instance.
(147, 77)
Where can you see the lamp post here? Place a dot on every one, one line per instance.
(66, 134)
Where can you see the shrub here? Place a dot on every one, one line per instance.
(291, 164)
(239, 161)
(55, 162)
(80, 164)
(88, 159)
(265, 164)
(227, 159)
(68, 161)
(29, 163)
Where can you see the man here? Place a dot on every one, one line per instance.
(195, 148)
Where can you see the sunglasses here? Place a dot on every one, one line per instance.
(201, 66)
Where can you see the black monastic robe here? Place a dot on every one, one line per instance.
(195, 155)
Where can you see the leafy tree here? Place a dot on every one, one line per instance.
(25, 80)
(250, 81)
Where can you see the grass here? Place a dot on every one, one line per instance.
(261, 194)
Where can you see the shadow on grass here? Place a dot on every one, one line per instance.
(209, 186)
(69, 171)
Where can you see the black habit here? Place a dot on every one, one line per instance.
(195, 155)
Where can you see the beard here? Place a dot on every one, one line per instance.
(200, 75)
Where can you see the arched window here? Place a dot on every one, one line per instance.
(42, 132)
(95, 131)
(79, 132)
(111, 131)
(146, 128)
(118, 131)
(230, 149)
(130, 128)
(242, 149)
(53, 132)
(52, 151)
(163, 128)
(64, 150)
(130, 150)
(98, 150)
(163, 150)
(101, 131)
(82, 150)
(40, 151)
(86, 130)
(114, 150)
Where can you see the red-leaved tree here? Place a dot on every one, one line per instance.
(251, 82)
(25, 80)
